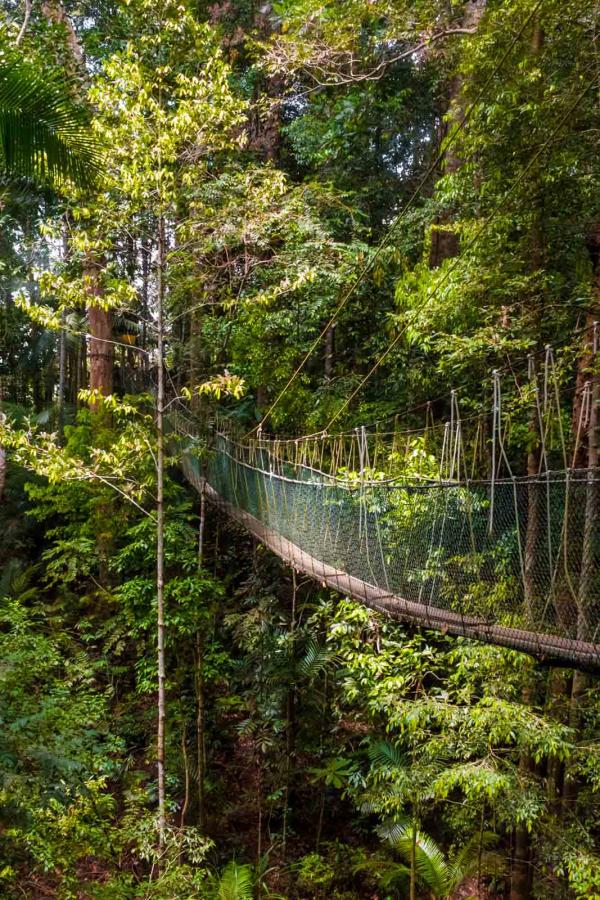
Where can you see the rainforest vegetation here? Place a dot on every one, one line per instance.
(305, 215)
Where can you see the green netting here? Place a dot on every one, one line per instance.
(513, 561)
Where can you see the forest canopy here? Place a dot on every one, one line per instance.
(336, 266)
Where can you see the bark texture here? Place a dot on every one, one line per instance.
(101, 347)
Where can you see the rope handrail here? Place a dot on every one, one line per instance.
(424, 552)
(512, 560)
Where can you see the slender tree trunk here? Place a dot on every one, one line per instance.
(200, 686)
(321, 818)
(62, 372)
(2, 450)
(160, 536)
(2, 471)
(79, 376)
(201, 526)
(259, 791)
(201, 730)
(559, 684)
(290, 714)
(26, 17)
(520, 876)
(186, 777)
(62, 346)
(146, 250)
(101, 348)
(324, 721)
(101, 359)
(413, 863)
(520, 888)
(532, 587)
(587, 610)
(587, 613)
(265, 123)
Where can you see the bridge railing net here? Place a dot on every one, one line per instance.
(521, 555)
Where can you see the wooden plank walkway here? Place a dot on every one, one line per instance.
(550, 649)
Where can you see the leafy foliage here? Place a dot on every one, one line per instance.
(327, 750)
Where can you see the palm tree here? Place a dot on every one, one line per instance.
(401, 785)
(45, 134)
(424, 861)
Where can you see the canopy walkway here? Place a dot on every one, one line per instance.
(510, 561)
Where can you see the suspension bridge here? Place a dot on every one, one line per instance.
(509, 560)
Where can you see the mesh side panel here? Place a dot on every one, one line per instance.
(516, 561)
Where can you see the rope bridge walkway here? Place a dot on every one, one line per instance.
(510, 561)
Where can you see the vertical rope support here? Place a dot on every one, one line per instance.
(444, 450)
(495, 420)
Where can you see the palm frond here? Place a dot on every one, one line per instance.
(386, 872)
(478, 855)
(316, 659)
(386, 756)
(431, 865)
(45, 135)
(235, 883)
(394, 830)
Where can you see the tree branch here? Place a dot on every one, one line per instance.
(26, 18)
(330, 77)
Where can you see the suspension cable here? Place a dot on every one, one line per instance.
(478, 234)
(366, 268)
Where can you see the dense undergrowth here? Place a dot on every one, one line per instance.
(316, 216)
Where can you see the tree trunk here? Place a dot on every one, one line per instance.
(53, 12)
(520, 883)
(62, 373)
(290, 717)
(535, 490)
(587, 453)
(101, 346)
(160, 538)
(535, 496)
(62, 346)
(2, 471)
(146, 251)
(186, 777)
(265, 122)
(201, 730)
(200, 687)
(557, 705)
(587, 611)
(413, 862)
